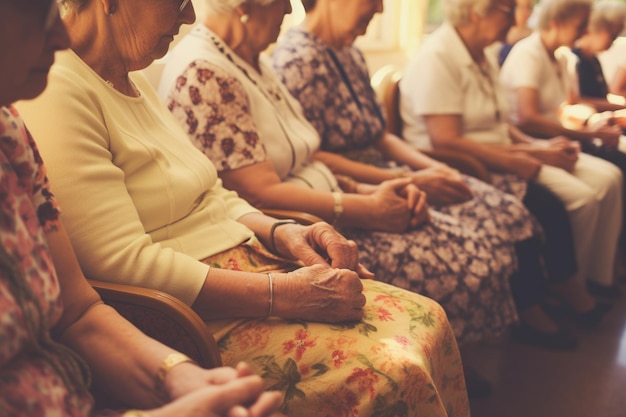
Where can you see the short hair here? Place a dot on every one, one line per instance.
(609, 15)
(559, 11)
(227, 6)
(308, 4)
(458, 12)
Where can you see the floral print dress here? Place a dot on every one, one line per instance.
(29, 384)
(465, 265)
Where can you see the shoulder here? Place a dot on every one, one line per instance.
(297, 47)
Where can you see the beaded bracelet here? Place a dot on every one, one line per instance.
(273, 230)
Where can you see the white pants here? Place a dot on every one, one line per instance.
(592, 195)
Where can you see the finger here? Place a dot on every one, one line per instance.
(412, 196)
(346, 257)
(364, 273)
(396, 183)
(222, 375)
(267, 404)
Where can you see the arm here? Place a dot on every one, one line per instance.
(124, 361)
(260, 183)
(446, 131)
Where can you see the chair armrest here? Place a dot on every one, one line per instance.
(467, 164)
(164, 318)
(299, 216)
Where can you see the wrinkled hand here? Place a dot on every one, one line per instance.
(319, 293)
(388, 207)
(443, 185)
(559, 152)
(417, 203)
(524, 166)
(609, 135)
(319, 243)
(220, 392)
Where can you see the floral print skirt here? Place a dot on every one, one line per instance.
(463, 258)
(401, 359)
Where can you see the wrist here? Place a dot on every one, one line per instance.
(172, 363)
(273, 232)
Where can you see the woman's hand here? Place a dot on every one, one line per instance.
(387, 208)
(559, 152)
(219, 392)
(442, 185)
(319, 293)
(609, 135)
(319, 243)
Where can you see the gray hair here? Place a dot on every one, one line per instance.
(228, 6)
(458, 12)
(608, 15)
(559, 11)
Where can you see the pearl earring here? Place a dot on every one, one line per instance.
(112, 9)
(244, 18)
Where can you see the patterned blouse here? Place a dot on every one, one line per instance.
(29, 385)
(334, 89)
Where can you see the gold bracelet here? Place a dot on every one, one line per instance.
(337, 206)
(170, 361)
(135, 413)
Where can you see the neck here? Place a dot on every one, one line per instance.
(319, 23)
(234, 34)
(472, 42)
(93, 46)
(584, 45)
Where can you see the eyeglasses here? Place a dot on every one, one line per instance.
(183, 5)
(51, 16)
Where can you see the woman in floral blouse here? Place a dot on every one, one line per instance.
(46, 305)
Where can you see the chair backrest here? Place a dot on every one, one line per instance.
(164, 318)
(386, 84)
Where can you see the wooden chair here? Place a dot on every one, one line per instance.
(164, 318)
(386, 84)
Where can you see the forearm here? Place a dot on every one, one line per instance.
(495, 158)
(358, 171)
(123, 360)
(541, 126)
(398, 150)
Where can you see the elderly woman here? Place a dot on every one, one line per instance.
(537, 85)
(238, 113)
(605, 25)
(143, 205)
(455, 102)
(47, 307)
(322, 68)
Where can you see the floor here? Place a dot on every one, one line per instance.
(534, 382)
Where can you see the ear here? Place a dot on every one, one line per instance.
(243, 9)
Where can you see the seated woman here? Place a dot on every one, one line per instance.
(142, 205)
(239, 114)
(605, 25)
(537, 86)
(323, 69)
(456, 102)
(56, 332)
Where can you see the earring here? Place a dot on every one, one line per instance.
(244, 18)
(112, 9)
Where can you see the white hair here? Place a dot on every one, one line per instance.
(228, 6)
(609, 15)
(458, 12)
(559, 11)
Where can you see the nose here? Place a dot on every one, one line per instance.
(379, 6)
(288, 8)
(188, 14)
